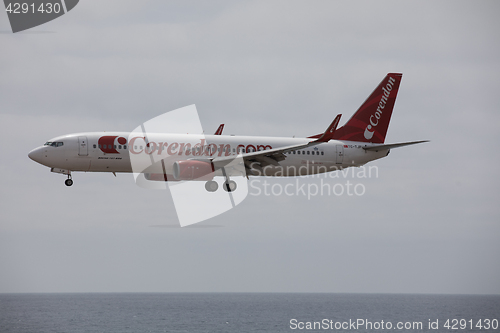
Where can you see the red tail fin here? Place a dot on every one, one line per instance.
(219, 130)
(371, 121)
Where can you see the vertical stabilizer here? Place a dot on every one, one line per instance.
(371, 121)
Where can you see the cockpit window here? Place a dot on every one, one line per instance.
(53, 144)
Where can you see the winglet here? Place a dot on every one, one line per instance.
(219, 130)
(328, 135)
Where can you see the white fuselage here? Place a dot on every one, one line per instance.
(112, 151)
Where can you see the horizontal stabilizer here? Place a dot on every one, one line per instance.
(392, 145)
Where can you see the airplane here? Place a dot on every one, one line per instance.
(186, 157)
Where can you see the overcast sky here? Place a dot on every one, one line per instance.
(430, 222)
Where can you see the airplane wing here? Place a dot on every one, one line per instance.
(274, 156)
(263, 157)
(392, 145)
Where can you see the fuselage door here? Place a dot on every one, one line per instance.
(83, 149)
(340, 154)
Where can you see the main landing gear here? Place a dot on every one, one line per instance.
(68, 181)
(211, 186)
(228, 186)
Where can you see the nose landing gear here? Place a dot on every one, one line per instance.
(68, 181)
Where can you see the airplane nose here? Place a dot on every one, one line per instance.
(36, 155)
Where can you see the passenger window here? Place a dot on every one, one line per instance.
(94, 146)
(308, 152)
(322, 153)
(115, 146)
(124, 147)
(119, 146)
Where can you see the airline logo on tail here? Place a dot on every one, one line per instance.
(370, 129)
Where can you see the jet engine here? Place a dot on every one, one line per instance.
(193, 170)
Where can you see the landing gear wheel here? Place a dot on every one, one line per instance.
(229, 186)
(211, 186)
(68, 182)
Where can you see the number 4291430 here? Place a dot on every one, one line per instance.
(482, 324)
(23, 8)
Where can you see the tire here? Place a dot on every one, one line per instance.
(68, 182)
(211, 186)
(230, 186)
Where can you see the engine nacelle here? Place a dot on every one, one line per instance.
(193, 170)
(159, 177)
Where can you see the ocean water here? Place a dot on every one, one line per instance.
(247, 312)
